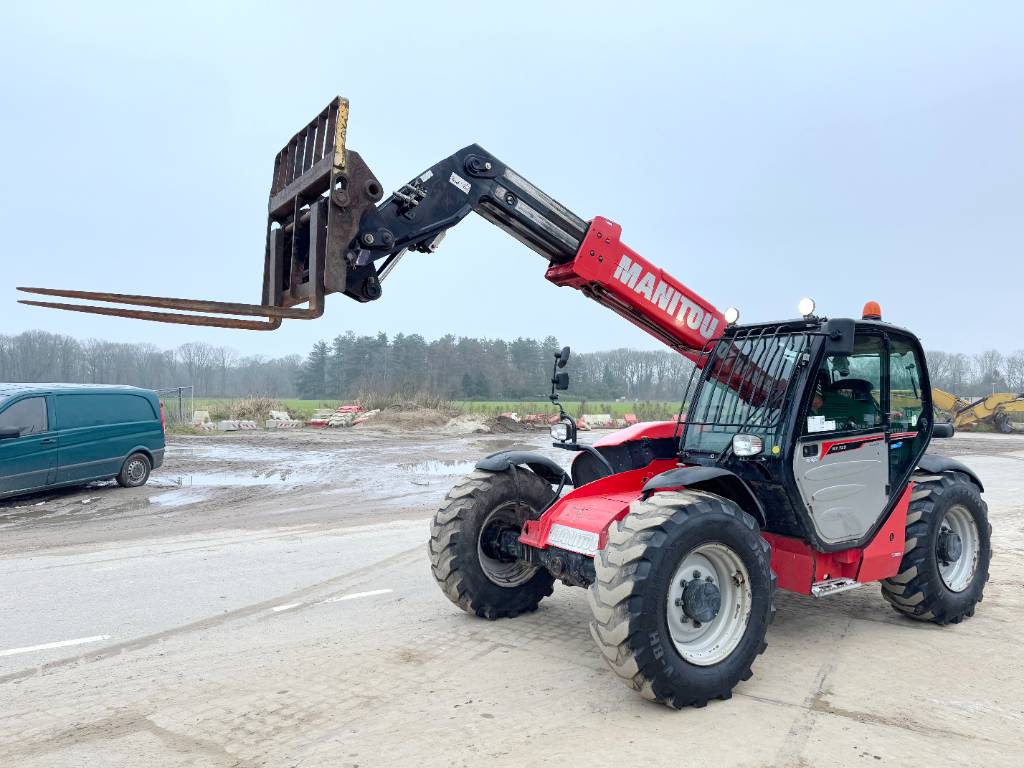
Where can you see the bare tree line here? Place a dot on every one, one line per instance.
(214, 371)
(457, 367)
(977, 375)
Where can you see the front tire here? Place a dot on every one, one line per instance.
(135, 471)
(661, 629)
(949, 546)
(463, 558)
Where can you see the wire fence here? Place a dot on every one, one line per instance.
(178, 403)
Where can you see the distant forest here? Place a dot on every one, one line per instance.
(460, 367)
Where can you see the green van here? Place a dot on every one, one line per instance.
(54, 435)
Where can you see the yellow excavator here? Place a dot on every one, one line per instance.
(994, 409)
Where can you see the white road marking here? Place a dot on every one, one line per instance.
(356, 595)
(58, 644)
(353, 596)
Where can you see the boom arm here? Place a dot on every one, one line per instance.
(967, 413)
(328, 233)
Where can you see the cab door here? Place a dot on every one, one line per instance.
(28, 461)
(909, 409)
(840, 462)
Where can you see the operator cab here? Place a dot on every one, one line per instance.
(824, 419)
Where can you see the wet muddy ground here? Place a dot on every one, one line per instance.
(249, 480)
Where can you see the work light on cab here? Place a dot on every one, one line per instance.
(805, 307)
(560, 431)
(732, 315)
(747, 445)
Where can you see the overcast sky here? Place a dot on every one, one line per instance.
(759, 152)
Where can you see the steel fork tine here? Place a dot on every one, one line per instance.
(167, 302)
(163, 317)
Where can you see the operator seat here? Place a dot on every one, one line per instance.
(849, 401)
(856, 389)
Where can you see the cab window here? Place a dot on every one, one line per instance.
(28, 416)
(847, 390)
(905, 387)
(906, 403)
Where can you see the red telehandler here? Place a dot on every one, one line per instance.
(793, 467)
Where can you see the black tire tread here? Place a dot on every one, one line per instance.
(122, 476)
(621, 568)
(916, 590)
(448, 528)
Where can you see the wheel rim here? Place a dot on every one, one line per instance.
(958, 572)
(708, 642)
(136, 470)
(504, 573)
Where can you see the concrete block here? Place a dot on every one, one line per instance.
(599, 420)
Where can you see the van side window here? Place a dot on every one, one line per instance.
(95, 410)
(28, 415)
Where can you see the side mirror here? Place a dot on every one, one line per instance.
(563, 357)
(9, 433)
(943, 430)
(839, 335)
(561, 381)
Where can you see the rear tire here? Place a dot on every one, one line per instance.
(135, 471)
(462, 557)
(644, 619)
(933, 584)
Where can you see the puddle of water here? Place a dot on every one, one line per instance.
(233, 479)
(178, 498)
(234, 452)
(439, 467)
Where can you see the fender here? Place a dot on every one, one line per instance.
(541, 465)
(715, 480)
(939, 464)
(155, 455)
(579, 520)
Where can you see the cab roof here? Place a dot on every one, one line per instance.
(815, 324)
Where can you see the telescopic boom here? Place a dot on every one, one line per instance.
(328, 231)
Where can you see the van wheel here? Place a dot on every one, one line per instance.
(135, 471)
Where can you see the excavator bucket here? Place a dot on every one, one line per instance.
(318, 196)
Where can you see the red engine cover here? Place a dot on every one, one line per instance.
(651, 429)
